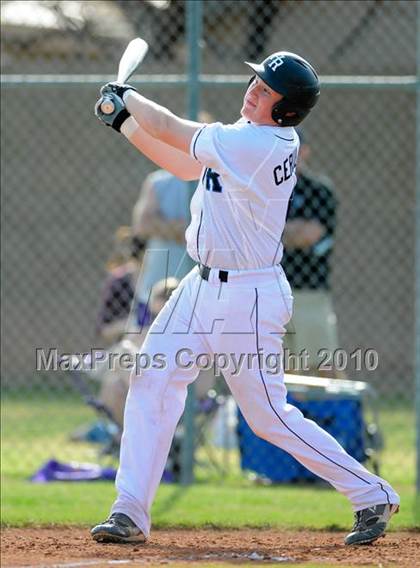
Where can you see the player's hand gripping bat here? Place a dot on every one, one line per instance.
(133, 55)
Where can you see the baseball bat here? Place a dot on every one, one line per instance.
(133, 55)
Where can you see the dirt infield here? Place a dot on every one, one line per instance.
(72, 547)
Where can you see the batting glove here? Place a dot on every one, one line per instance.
(118, 114)
(117, 89)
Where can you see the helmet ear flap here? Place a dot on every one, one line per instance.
(276, 113)
(285, 113)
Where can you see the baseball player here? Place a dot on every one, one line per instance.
(235, 304)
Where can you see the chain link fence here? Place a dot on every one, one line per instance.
(69, 184)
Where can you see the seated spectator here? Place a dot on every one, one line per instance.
(118, 291)
(115, 382)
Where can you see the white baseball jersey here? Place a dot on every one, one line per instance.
(239, 208)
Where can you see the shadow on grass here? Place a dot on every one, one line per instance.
(168, 503)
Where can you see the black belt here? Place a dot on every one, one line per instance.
(205, 273)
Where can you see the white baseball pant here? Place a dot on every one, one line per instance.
(245, 315)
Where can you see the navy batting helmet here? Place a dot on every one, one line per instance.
(291, 76)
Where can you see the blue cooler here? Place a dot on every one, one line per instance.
(335, 405)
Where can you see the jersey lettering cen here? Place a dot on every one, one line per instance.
(239, 208)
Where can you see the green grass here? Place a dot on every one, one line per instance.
(200, 505)
(37, 429)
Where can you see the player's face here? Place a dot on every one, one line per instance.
(258, 102)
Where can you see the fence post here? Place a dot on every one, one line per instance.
(194, 19)
(417, 273)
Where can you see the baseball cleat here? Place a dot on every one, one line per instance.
(118, 528)
(370, 524)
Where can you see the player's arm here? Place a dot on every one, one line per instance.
(302, 233)
(171, 159)
(147, 220)
(161, 135)
(160, 122)
(318, 231)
